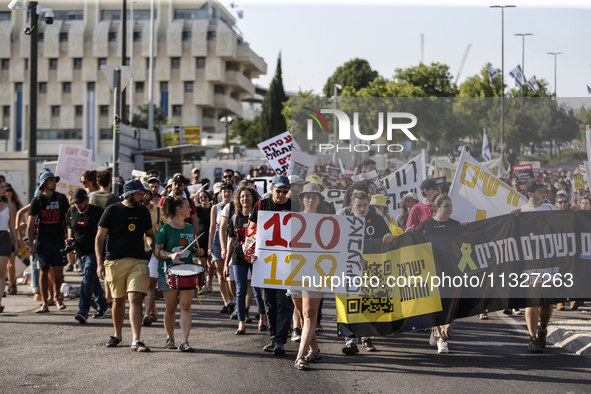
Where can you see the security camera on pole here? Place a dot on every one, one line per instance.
(118, 77)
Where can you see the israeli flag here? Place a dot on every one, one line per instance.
(533, 84)
(518, 76)
(485, 148)
(491, 73)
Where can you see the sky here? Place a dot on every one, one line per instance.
(315, 37)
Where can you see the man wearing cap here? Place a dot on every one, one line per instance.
(82, 228)
(278, 305)
(125, 264)
(195, 175)
(51, 207)
(424, 209)
(536, 192)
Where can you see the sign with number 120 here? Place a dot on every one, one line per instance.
(304, 251)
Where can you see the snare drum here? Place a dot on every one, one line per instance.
(185, 276)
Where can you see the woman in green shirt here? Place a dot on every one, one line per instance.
(172, 238)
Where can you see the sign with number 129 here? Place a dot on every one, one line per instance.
(305, 251)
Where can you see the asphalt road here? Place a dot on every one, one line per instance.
(54, 353)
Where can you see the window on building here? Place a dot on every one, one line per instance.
(110, 15)
(188, 86)
(104, 110)
(102, 61)
(175, 62)
(203, 13)
(4, 134)
(52, 64)
(40, 37)
(67, 87)
(105, 134)
(90, 86)
(200, 62)
(177, 110)
(164, 86)
(26, 64)
(139, 87)
(79, 110)
(78, 63)
(18, 87)
(112, 36)
(6, 110)
(137, 36)
(211, 36)
(208, 113)
(186, 36)
(5, 64)
(59, 134)
(219, 89)
(5, 15)
(55, 110)
(127, 61)
(42, 87)
(63, 37)
(65, 16)
(141, 15)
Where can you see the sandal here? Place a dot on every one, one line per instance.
(170, 344)
(147, 320)
(12, 290)
(59, 302)
(185, 347)
(317, 356)
(43, 309)
(301, 364)
(483, 316)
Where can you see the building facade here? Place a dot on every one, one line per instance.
(203, 69)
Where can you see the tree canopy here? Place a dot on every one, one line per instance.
(354, 74)
(272, 121)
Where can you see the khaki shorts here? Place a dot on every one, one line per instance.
(127, 274)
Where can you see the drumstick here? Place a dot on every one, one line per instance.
(195, 240)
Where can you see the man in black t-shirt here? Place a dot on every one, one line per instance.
(51, 208)
(278, 305)
(125, 265)
(82, 227)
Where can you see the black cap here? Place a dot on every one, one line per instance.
(9, 187)
(534, 184)
(79, 196)
(178, 177)
(430, 184)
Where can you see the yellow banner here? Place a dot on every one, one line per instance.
(170, 139)
(192, 135)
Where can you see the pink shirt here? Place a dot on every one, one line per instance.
(419, 213)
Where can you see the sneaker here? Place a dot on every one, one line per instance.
(139, 347)
(350, 349)
(534, 346)
(542, 337)
(209, 287)
(93, 304)
(507, 312)
(69, 268)
(517, 311)
(432, 340)
(202, 290)
(560, 307)
(101, 313)
(81, 317)
(279, 350)
(319, 327)
(367, 345)
(234, 315)
(269, 348)
(231, 308)
(442, 346)
(113, 342)
(224, 309)
(37, 297)
(296, 334)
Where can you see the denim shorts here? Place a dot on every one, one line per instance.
(217, 248)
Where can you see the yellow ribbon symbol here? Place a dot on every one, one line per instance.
(466, 259)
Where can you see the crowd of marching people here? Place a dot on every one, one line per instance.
(138, 246)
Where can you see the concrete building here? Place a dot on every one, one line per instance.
(203, 69)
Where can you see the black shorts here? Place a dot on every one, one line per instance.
(48, 254)
(6, 247)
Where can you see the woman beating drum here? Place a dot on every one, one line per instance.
(172, 247)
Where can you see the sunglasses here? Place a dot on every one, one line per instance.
(281, 191)
(562, 202)
(228, 176)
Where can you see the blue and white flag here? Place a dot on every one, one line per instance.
(588, 89)
(534, 84)
(518, 76)
(491, 73)
(485, 148)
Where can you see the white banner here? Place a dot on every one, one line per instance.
(495, 166)
(71, 164)
(443, 168)
(335, 196)
(407, 178)
(301, 163)
(374, 180)
(277, 150)
(263, 185)
(304, 251)
(477, 194)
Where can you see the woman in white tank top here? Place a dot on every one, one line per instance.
(7, 234)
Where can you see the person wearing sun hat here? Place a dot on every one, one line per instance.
(381, 203)
(409, 200)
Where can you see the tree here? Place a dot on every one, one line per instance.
(355, 74)
(479, 85)
(434, 80)
(584, 118)
(140, 120)
(272, 121)
(247, 131)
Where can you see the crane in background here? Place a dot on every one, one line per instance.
(462, 64)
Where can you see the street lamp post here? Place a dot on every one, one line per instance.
(336, 88)
(555, 54)
(502, 7)
(523, 35)
(227, 120)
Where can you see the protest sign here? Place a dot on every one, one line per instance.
(374, 181)
(138, 173)
(495, 166)
(335, 196)
(71, 164)
(477, 194)
(277, 150)
(407, 178)
(301, 163)
(311, 252)
(263, 185)
(443, 167)
(523, 172)
(536, 167)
